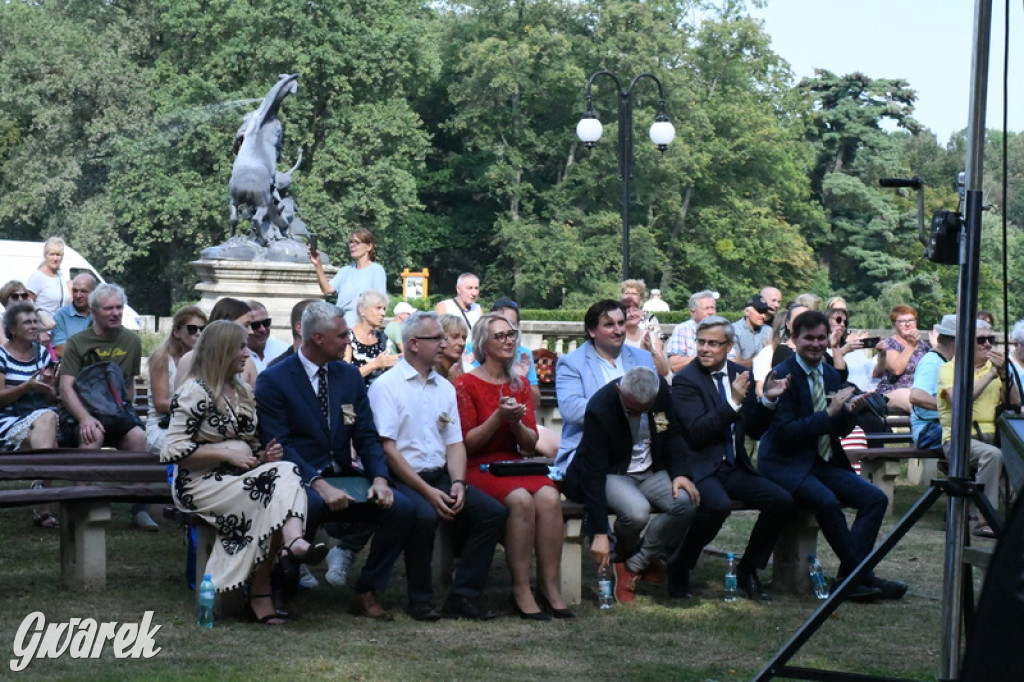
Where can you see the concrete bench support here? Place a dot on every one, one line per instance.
(789, 562)
(83, 544)
(882, 473)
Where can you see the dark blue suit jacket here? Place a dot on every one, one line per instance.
(288, 410)
(790, 447)
(706, 420)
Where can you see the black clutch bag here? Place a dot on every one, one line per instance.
(518, 467)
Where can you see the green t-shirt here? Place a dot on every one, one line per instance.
(87, 348)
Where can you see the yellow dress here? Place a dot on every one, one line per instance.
(246, 507)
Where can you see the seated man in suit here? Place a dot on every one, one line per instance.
(630, 462)
(715, 400)
(801, 452)
(315, 405)
(579, 374)
(417, 417)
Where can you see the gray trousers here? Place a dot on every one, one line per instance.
(986, 461)
(633, 498)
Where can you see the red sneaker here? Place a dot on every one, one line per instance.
(625, 584)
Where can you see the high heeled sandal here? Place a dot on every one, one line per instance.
(266, 620)
(289, 561)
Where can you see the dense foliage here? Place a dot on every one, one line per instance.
(448, 129)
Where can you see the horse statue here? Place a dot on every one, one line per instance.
(259, 144)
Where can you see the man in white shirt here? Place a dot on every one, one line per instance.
(417, 416)
(262, 348)
(467, 290)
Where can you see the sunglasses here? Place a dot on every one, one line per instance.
(20, 297)
(194, 329)
(262, 323)
(990, 340)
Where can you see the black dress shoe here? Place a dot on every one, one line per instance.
(749, 585)
(861, 592)
(422, 610)
(461, 606)
(890, 589)
(679, 583)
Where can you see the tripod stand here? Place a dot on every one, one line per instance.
(958, 489)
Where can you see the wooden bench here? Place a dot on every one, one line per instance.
(97, 479)
(882, 465)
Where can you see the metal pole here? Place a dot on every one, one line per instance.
(967, 310)
(625, 169)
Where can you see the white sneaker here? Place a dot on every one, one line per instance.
(339, 561)
(307, 580)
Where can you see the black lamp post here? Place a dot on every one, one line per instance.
(589, 131)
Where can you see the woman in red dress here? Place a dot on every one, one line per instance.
(498, 423)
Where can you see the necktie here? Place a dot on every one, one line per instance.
(730, 448)
(321, 395)
(818, 397)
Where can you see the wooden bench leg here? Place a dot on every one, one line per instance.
(83, 544)
(572, 562)
(789, 564)
(883, 476)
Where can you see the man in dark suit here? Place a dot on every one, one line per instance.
(801, 452)
(630, 462)
(716, 404)
(315, 405)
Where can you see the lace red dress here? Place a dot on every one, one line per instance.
(478, 399)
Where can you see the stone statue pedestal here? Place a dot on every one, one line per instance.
(278, 286)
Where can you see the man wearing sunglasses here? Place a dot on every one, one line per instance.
(986, 460)
(262, 348)
(74, 317)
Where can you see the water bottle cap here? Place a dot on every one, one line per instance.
(731, 556)
(207, 577)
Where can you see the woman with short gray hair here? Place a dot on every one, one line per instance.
(369, 348)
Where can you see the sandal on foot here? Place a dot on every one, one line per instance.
(289, 560)
(47, 520)
(266, 620)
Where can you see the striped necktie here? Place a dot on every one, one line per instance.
(818, 397)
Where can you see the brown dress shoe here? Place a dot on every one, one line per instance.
(365, 604)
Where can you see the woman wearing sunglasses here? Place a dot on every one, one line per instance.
(498, 423)
(163, 363)
(897, 362)
(11, 293)
(234, 310)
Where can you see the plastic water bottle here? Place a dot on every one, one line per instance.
(817, 577)
(605, 598)
(207, 597)
(730, 579)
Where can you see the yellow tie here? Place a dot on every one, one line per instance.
(818, 396)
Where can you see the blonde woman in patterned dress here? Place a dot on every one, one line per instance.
(255, 500)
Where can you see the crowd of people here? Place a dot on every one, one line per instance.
(379, 434)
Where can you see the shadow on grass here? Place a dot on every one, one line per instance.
(657, 639)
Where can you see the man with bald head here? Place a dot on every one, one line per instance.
(773, 297)
(74, 317)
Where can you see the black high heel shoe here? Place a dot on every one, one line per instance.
(289, 561)
(540, 615)
(265, 620)
(545, 604)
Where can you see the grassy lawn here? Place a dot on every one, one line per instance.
(658, 639)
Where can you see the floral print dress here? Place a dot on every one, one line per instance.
(246, 507)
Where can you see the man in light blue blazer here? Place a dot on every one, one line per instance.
(604, 357)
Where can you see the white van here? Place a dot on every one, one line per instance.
(18, 260)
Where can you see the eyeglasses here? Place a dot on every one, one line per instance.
(906, 323)
(990, 340)
(24, 296)
(711, 343)
(440, 338)
(194, 329)
(502, 337)
(255, 326)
